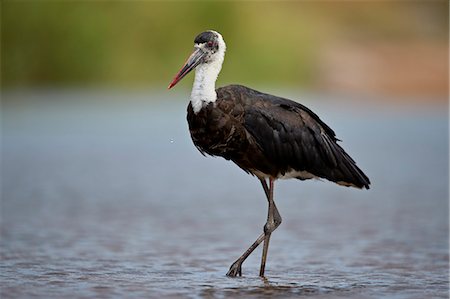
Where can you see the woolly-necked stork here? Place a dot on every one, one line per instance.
(267, 136)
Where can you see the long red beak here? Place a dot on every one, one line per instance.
(195, 59)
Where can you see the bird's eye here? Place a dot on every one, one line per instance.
(210, 44)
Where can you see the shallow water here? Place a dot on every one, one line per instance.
(104, 195)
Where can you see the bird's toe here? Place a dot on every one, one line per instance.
(235, 269)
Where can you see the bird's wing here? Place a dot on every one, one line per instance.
(296, 139)
(288, 135)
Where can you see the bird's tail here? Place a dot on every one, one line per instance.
(348, 174)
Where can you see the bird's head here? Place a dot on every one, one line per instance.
(209, 49)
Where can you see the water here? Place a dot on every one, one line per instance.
(104, 195)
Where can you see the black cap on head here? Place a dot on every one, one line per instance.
(205, 37)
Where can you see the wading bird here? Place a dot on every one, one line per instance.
(267, 136)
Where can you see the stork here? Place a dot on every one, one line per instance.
(267, 136)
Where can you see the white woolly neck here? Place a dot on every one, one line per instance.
(204, 88)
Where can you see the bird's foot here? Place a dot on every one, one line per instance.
(235, 269)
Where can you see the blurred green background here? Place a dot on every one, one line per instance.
(386, 47)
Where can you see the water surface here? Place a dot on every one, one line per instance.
(104, 195)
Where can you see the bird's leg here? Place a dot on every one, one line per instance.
(273, 221)
(236, 267)
(277, 215)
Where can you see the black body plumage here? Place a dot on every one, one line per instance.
(265, 135)
(269, 136)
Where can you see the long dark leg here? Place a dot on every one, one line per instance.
(273, 221)
(236, 267)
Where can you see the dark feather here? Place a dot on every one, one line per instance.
(267, 135)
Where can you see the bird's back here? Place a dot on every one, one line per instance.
(267, 136)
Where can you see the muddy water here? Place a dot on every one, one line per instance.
(104, 195)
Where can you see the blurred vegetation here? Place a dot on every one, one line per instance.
(132, 44)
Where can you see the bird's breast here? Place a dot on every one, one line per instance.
(215, 131)
(218, 130)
